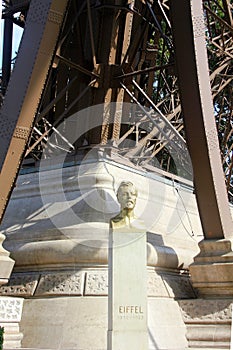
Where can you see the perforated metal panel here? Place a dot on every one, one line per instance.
(198, 26)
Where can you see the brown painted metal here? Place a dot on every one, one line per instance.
(192, 66)
(40, 37)
(220, 49)
(113, 42)
(113, 59)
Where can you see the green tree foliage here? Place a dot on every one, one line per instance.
(1, 337)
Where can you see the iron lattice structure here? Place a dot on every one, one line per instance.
(122, 51)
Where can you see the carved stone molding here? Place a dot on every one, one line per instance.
(96, 283)
(61, 283)
(178, 287)
(91, 282)
(155, 286)
(10, 309)
(210, 311)
(10, 316)
(20, 285)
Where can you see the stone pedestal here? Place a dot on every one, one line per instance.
(208, 320)
(212, 269)
(10, 316)
(208, 323)
(127, 327)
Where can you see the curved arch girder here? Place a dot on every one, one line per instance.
(192, 65)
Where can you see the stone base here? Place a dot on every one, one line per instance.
(12, 336)
(77, 323)
(68, 309)
(10, 316)
(208, 323)
(212, 269)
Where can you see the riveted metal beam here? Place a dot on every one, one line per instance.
(41, 33)
(192, 65)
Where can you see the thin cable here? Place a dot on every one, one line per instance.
(189, 220)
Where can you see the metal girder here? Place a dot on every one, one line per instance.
(113, 61)
(219, 41)
(192, 65)
(168, 134)
(112, 41)
(43, 25)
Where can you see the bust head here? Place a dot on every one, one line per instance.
(127, 195)
(126, 221)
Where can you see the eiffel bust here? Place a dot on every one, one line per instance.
(126, 220)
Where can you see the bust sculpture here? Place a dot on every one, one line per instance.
(126, 195)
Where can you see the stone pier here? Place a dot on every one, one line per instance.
(61, 263)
